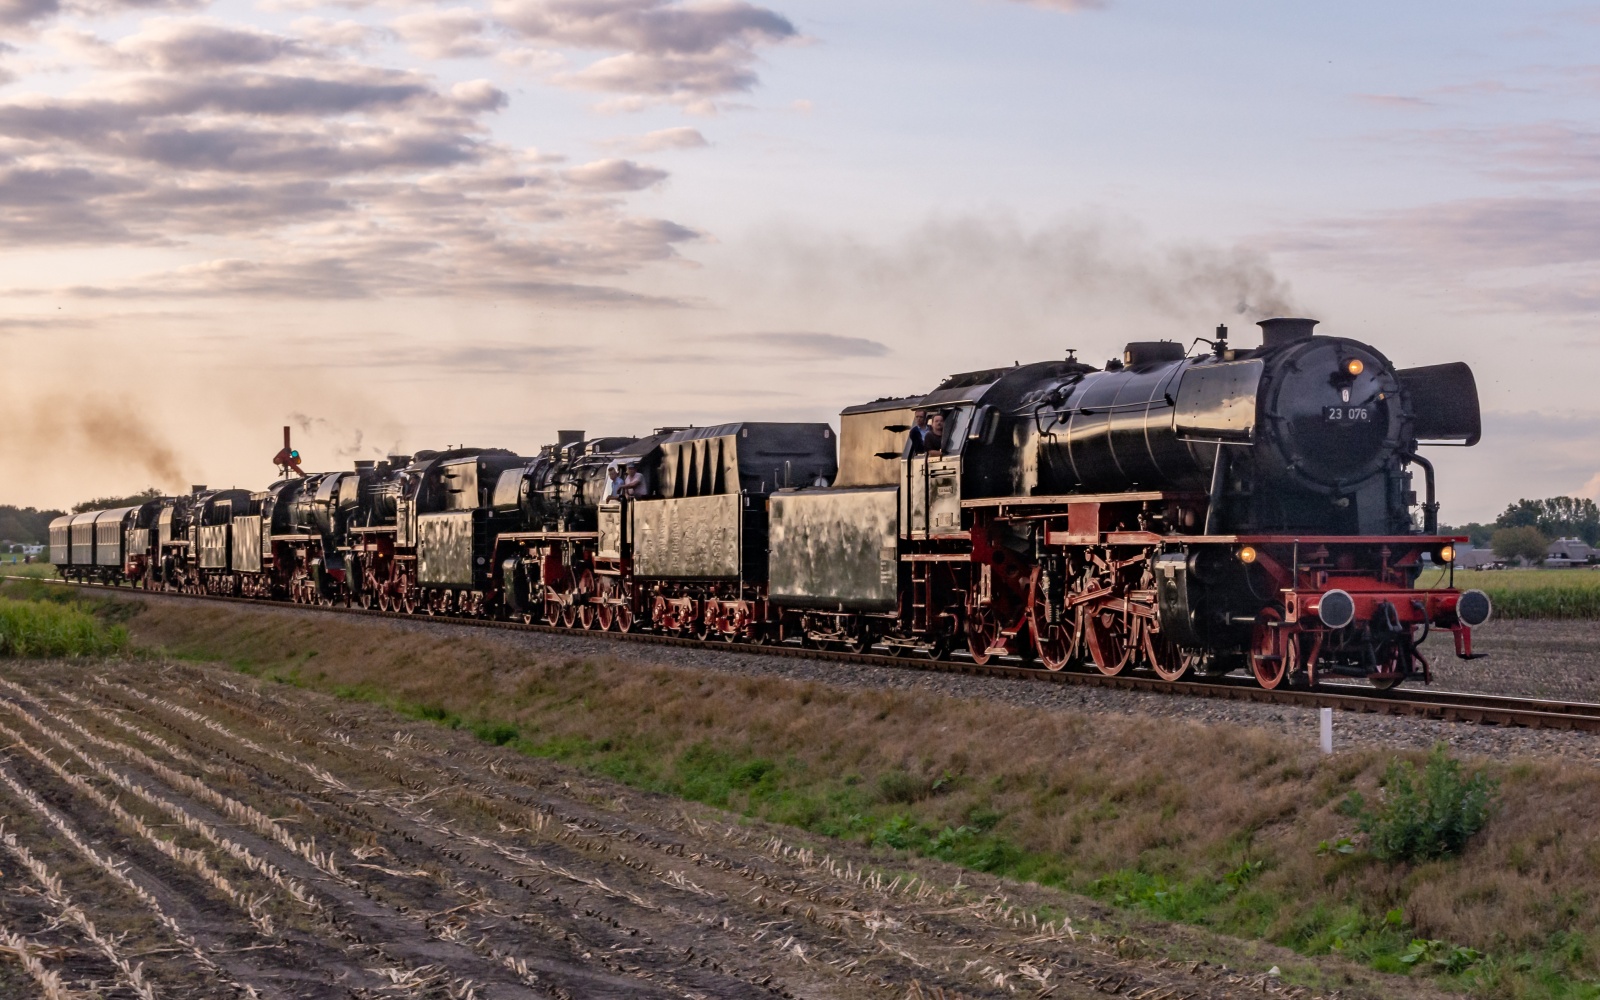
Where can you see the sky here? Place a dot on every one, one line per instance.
(397, 225)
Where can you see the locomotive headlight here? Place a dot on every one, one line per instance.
(1447, 553)
(1246, 554)
(1354, 366)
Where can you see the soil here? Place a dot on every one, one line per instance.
(322, 848)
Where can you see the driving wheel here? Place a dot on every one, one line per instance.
(1111, 638)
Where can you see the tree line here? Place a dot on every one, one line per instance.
(1527, 527)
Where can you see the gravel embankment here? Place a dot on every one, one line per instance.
(1555, 659)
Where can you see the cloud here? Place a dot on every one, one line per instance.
(682, 137)
(1533, 253)
(1070, 6)
(1396, 101)
(684, 53)
(313, 174)
(802, 344)
(614, 175)
(173, 45)
(22, 12)
(346, 34)
(451, 33)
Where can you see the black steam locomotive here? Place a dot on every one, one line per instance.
(1240, 509)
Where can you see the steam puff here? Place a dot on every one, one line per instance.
(111, 434)
(1004, 272)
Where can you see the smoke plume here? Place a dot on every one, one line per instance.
(111, 434)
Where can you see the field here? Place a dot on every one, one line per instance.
(1532, 593)
(176, 830)
(354, 735)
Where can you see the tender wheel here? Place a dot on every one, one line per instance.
(1111, 640)
(1270, 664)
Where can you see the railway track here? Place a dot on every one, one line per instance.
(1449, 706)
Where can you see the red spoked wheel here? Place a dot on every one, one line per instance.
(1273, 657)
(983, 635)
(1112, 637)
(1170, 661)
(1053, 642)
(584, 600)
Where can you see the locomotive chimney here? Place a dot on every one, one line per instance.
(1283, 331)
(564, 438)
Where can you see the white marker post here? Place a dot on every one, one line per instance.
(1327, 730)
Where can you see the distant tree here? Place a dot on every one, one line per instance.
(111, 503)
(1524, 540)
(25, 524)
(1476, 531)
(1556, 517)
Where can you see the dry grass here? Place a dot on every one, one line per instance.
(1211, 825)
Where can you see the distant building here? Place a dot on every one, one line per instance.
(1469, 556)
(1571, 552)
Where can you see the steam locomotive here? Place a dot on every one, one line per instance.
(1230, 510)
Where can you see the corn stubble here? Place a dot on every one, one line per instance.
(1207, 825)
(222, 837)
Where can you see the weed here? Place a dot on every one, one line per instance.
(1427, 819)
(498, 733)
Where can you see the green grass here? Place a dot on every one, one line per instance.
(48, 628)
(35, 570)
(1530, 593)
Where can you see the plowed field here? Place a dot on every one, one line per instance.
(174, 831)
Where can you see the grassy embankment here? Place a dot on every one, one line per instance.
(1530, 593)
(1240, 831)
(41, 621)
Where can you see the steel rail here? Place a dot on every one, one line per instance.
(1448, 706)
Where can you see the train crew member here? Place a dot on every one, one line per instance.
(633, 483)
(919, 432)
(614, 488)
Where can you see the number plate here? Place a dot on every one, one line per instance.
(1346, 414)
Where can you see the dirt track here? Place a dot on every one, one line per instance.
(178, 831)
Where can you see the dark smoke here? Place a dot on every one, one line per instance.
(61, 429)
(997, 275)
(357, 447)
